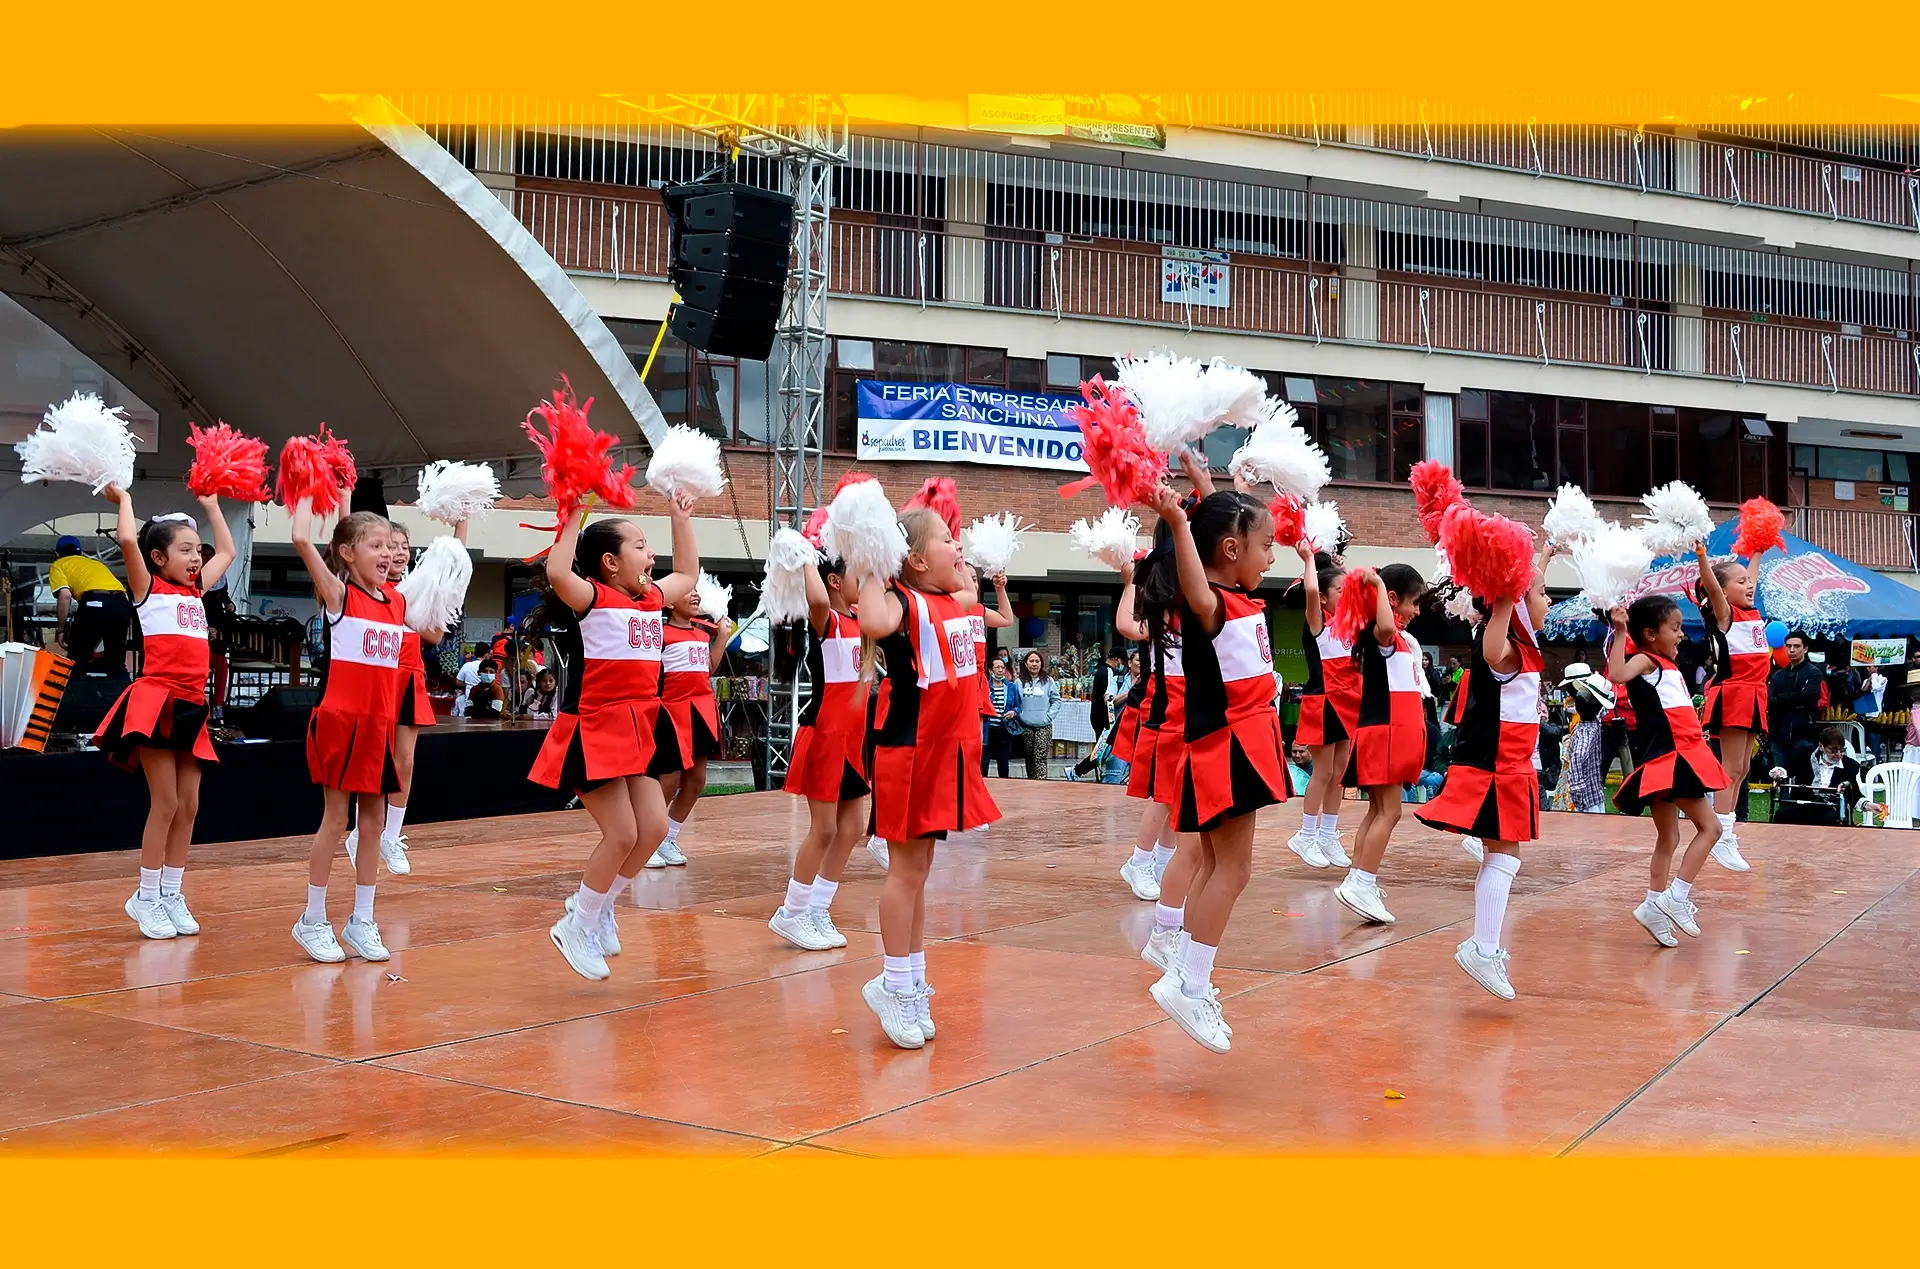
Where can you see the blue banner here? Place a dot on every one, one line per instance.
(957, 423)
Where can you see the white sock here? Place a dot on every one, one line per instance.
(1196, 969)
(620, 883)
(897, 973)
(363, 903)
(1366, 879)
(1490, 890)
(1330, 822)
(149, 885)
(316, 905)
(917, 962)
(823, 892)
(1652, 895)
(799, 894)
(1165, 918)
(1681, 890)
(170, 878)
(396, 816)
(1140, 857)
(1162, 855)
(1726, 820)
(673, 828)
(589, 905)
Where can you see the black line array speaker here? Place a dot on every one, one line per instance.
(730, 247)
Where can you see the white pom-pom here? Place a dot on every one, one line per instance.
(991, 542)
(864, 530)
(1459, 606)
(1570, 517)
(435, 588)
(1232, 396)
(1676, 519)
(1323, 525)
(1111, 539)
(783, 596)
(81, 441)
(1280, 453)
(1609, 563)
(1167, 390)
(716, 601)
(686, 461)
(1442, 570)
(455, 493)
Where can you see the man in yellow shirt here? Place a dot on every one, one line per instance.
(88, 590)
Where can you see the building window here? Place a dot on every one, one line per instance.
(1371, 431)
(698, 388)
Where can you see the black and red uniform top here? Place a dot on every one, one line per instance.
(1674, 760)
(686, 653)
(1235, 761)
(1390, 720)
(1492, 790)
(1749, 660)
(173, 639)
(617, 645)
(364, 645)
(926, 734)
(836, 699)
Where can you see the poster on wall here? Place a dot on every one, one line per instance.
(1202, 279)
(1879, 651)
(960, 423)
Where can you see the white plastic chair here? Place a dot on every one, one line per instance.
(1900, 781)
(1856, 738)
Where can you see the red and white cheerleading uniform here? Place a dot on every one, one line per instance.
(350, 737)
(1132, 710)
(1235, 761)
(166, 707)
(1161, 745)
(1737, 697)
(689, 719)
(1330, 698)
(606, 727)
(829, 762)
(1492, 790)
(1674, 760)
(977, 615)
(416, 707)
(1390, 722)
(926, 742)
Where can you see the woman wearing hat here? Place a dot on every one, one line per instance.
(1583, 783)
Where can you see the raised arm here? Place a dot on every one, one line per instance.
(1622, 668)
(330, 590)
(819, 602)
(1198, 474)
(1385, 628)
(127, 533)
(1494, 644)
(1537, 601)
(880, 610)
(717, 651)
(1125, 623)
(678, 584)
(1000, 616)
(224, 551)
(1716, 597)
(1194, 586)
(1310, 588)
(573, 590)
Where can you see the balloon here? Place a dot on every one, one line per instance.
(1779, 656)
(1776, 634)
(1033, 628)
(1041, 607)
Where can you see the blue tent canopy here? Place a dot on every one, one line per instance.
(1813, 590)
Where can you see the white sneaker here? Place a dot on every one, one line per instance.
(822, 922)
(658, 859)
(798, 930)
(1656, 922)
(877, 847)
(363, 939)
(353, 847)
(1198, 1016)
(316, 940)
(608, 933)
(1489, 971)
(1307, 846)
(1365, 901)
(393, 853)
(1141, 880)
(152, 917)
(580, 947)
(670, 851)
(1477, 850)
(899, 1012)
(176, 906)
(1163, 950)
(924, 994)
(1679, 911)
(1726, 853)
(1336, 854)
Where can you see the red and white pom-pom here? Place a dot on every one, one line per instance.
(1322, 526)
(1762, 528)
(686, 462)
(435, 588)
(454, 493)
(992, 541)
(1280, 453)
(227, 464)
(783, 595)
(1115, 446)
(864, 530)
(1610, 564)
(573, 456)
(1488, 555)
(81, 441)
(317, 467)
(1571, 517)
(1289, 520)
(1677, 518)
(1357, 610)
(816, 525)
(939, 497)
(1111, 538)
(1435, 488)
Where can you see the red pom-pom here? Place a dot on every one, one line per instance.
(1761, 528)
(573, 456)
(1434, 490)
(938, 496)
(1359, 606)
(317, 467)
(1289, 520)
(227, 464)
(1490, 556)
(816, 525)
(1115, 446)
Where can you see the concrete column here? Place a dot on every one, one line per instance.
(966, 248)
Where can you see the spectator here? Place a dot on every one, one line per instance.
(1793, 696)
(480, 693)
(1039, 706)
(87, 591)
(1119, 683)
(1583, 782)
(1004, 699)
(1099, 705)
(1828, 765)
(541, 699)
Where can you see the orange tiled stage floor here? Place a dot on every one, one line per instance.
(1792, 1023)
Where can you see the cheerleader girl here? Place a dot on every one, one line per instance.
(159, 724)
(1329, 704)
(692, 647)
(1390, 729)
(1737, 696)
(926, 752)
(1676, 772)
(351, 737)
(1134, 742)
(1234, 762)
(829, 765)
(1492, 792)
(604, 610)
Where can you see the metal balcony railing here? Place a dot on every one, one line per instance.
(1887, 540)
